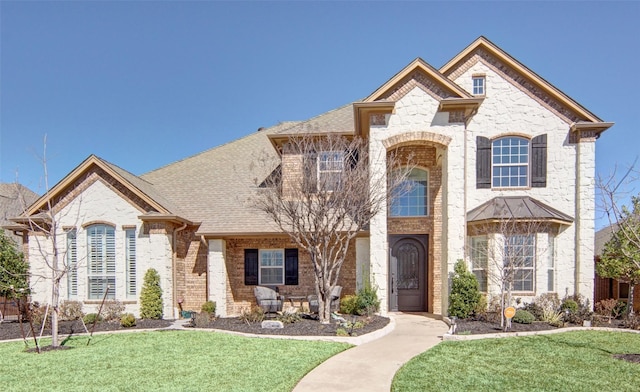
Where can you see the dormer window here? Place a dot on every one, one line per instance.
(479, 85)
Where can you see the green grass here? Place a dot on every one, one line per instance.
(164, 361)
(572, 361)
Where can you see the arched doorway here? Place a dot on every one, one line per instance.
(407, 275)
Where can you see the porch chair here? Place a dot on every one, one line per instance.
(314, 306)
(268, 299)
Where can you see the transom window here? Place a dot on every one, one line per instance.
(330, 167)
(271, 262)
(519, 260)
(412, 195)
(101, 261)
(510, 162)
(478, 85)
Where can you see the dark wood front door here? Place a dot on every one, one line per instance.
(408, 265)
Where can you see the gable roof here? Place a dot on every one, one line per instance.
(523, 208)
(482, 47)
(14, 198)
(138, 187)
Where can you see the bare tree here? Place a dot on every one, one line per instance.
(47, 233)
(511, 256)
(322, 195)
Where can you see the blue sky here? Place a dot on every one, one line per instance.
(143, 84)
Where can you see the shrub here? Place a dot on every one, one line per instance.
(552, 317)
(606, 308)
(481, 307)
(90, 318)
(289, 317)
(465, 293)
(570, 305)
(620, 309)
(535, 309)
(70, 310)
(209, 307)
(151, 296)
(349, 304)
(548, 301)
(253, 315)
(112, 310)
(341, 332)
(368, 302)
(128, 320)
(523, 317)
(37, 313)
(576, 309)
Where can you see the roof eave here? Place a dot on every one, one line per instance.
(167, 218)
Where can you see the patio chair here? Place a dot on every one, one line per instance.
(268, 299)
(314, 306)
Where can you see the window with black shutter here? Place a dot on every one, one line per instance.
(539, 161)
(251, 267)
(291, 266)
(483, 162)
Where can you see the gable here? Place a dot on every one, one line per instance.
(484, 51)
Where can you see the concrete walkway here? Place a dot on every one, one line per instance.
(371, 366)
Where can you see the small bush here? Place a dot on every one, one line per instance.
(523, 317)
(209, 307)
(552, 317)
(70, 310)
(151, 296)
(112, 310)
(90, 318)
(576, 309)
(253, 315)
(606, 308)
(631, 322)
(620, 309)
(289, 318)
(368, 302)
(128, 320)
(570, 305)
(341, 332)
(481, 307)
(465, 292)
(535, 309)
(349, 304)
(37, 313)
(548, 301)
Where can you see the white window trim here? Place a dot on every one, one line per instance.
(485, 262)
(131, 262)
(527, 165)
(260, 267)
(108, 276)
(484, 85)
(320, 172)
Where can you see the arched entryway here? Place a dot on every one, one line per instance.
(408, 272)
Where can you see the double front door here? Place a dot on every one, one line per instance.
(407, 275)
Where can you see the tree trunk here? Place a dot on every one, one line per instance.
(630, 300)
(55, 297)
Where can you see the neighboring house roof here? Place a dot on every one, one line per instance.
(603, 236)
(14, 199)
(214, 187)
(517, 207)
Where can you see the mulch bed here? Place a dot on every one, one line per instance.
(11, 329)
(303, 327)
(475, 327)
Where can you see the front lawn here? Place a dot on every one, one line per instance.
(571, 361)
(163, 361)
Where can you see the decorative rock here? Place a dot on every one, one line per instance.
(272, 324)
(291, 310)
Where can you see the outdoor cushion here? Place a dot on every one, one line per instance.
(267, 299)
(314, 306)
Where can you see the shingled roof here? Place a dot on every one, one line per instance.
(518, 208)
(214, 187)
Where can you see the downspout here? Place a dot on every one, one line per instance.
(174, 258)
(206, 284)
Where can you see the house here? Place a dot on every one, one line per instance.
(492, 142)
(606, 288)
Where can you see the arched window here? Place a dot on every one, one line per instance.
(412, 196)
(101, 261)
(510, 162)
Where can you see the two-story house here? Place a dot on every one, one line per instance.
(492, 142)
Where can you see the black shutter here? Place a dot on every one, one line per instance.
(251, 267)
(539, 161)
(291, 267)
(483, 162)
(310, 169)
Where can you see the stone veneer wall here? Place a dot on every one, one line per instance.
(240, 296)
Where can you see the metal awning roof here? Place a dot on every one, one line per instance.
(522, 208)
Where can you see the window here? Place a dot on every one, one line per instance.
(480, 261)
(270, 267)
(330, 166)
(412, 195)
(478, 85)
(101, 261)
(130, 250)
(72, 264)
(511, 162)
(519, 261)
(623, 291)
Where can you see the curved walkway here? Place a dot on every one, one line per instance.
(371, 366)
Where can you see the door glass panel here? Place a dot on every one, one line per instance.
(408, 266)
